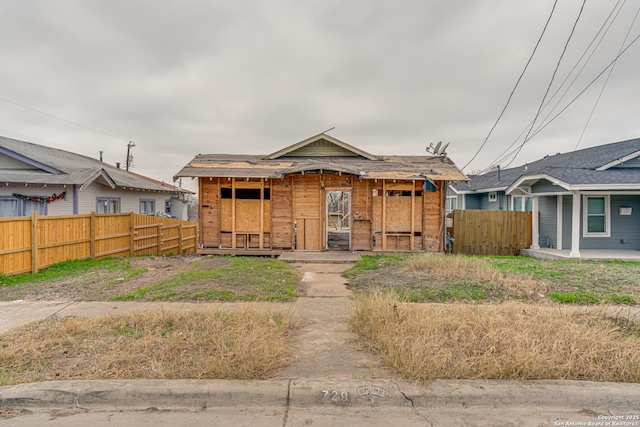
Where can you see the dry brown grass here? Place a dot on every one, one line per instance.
(505, 341)
(160, 344)
(455, 268)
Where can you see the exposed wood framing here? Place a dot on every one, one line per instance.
(413, 215)
(384, 215)
(233, 214)
(261, 239)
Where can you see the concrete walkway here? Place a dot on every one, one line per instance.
(326, 348)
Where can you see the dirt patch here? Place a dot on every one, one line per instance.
(101, 284)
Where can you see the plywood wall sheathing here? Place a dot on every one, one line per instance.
(336, 182)
(433, 218)
(209, 207)
(361, 212)
(307, 211)
(281, 214)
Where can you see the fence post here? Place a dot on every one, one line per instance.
(92, 235)
(132, 235)
(160, 239)
(180, 238)
(34, 242)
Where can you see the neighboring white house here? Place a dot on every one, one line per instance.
(56, 182)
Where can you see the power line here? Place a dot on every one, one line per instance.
(550, 82)
(585, 63)
(599, 96)
(76, 124)
(506, 153)
(60, 118)
(516, 85)
(587, 87)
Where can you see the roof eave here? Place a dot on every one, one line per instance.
(30, 161)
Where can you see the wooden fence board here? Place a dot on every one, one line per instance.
(482, 232)
(35, 242)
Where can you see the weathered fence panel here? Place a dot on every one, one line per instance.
(482, 232)
(28, 244)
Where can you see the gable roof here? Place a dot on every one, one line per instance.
(320, 145)
(291, 161)
(47, 165)
(576, 168)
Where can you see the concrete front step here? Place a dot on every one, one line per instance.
(312, 257)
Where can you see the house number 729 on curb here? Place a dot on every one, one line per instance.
(335, 396)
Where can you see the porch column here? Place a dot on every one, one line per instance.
(559, 222)
(575, 226)
(535, 226)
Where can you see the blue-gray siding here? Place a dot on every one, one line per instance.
(544, 186)
(473, 201)
(548, 224)
(623, 228)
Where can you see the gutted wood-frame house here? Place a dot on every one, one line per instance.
(321, 194)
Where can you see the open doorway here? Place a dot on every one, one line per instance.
(338, 233)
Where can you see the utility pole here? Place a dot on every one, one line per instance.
(129, 155)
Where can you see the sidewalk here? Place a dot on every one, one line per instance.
(305, 402)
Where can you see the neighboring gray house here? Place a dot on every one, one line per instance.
(588, 199)
(56, 182)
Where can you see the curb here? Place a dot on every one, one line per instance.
(317, 393)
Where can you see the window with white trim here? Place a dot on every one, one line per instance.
(597, 220)
(452, 204)
(493, 196)
(521, 203)
(147, 206)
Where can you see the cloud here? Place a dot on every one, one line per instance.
(182, 78)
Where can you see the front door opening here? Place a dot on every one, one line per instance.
(338, 233)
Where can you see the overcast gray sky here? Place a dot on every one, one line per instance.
(180, 78)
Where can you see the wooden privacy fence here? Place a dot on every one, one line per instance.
(30, 243)
(478, 232)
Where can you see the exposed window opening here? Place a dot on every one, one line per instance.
(245, 193)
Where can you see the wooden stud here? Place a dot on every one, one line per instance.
(413, 214)
(384, 218)
(200, 219)
(233, 213)
(323, 218)
(261, 214)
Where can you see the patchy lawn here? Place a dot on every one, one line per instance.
(157, 278)
(248, 279)
(510, 340)
(446, 278)
(149, 344)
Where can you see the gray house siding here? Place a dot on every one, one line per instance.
(472, 201)
(548, 224)
(501, 204)
(623, 228)
(545, 186)
(567, 203)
